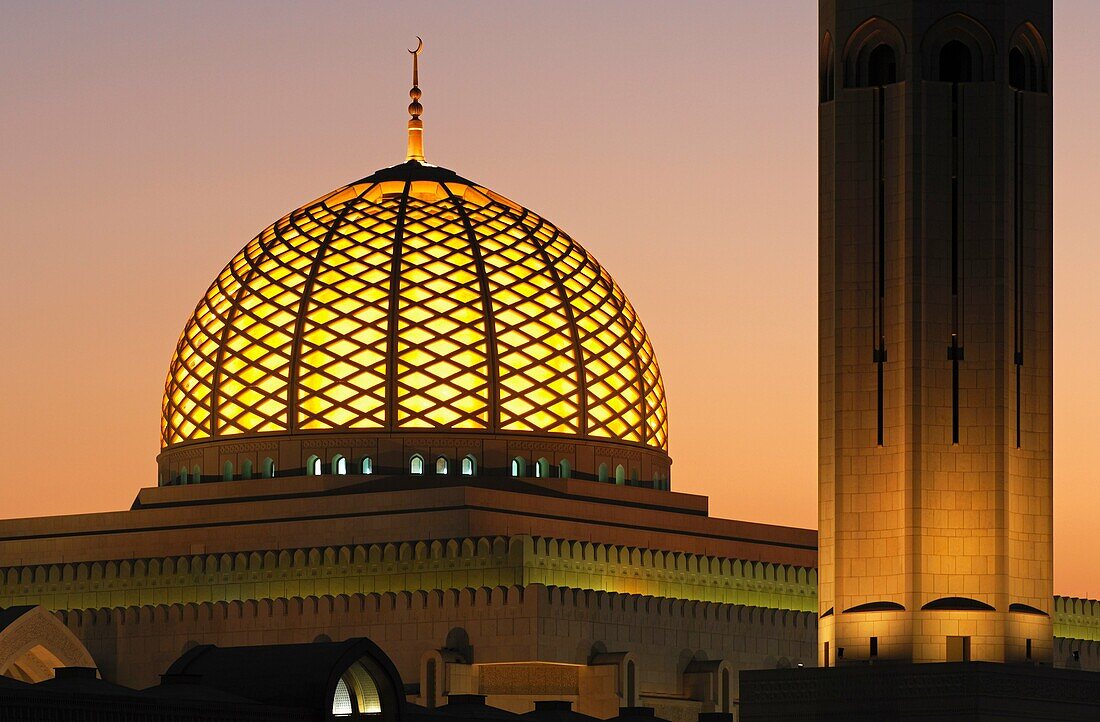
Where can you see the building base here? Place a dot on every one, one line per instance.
(951, 691)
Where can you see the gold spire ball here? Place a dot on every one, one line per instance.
(416, 125)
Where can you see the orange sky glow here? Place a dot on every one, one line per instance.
(145, 143)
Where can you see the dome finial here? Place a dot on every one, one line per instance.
(416, 126)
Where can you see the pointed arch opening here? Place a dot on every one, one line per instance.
(313, 465)
(339, 464)
(441, 466)
(563, 469)
(269, 468)
(602, 474)
(366, 465)
(227, 471)
(1028, 61)
(958, 49)
(620, 475)
(874, 55)
(246, 469)
(469, 465)
(416, 465)
(519, 467)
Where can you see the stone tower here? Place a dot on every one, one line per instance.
(935, 247)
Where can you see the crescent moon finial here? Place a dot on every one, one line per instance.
(416, 126)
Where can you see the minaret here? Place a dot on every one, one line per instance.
(416, 125)
(935, 245)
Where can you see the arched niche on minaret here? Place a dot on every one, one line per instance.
(870, 50)
(944, 42)
(1028, 60)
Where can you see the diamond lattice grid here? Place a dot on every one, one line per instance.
(190, 384)
(342, 360)
(258, 348)
(537, 370)
(612, 392)
(305, 328)
(442, 361)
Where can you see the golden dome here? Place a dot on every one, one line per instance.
(414, 300)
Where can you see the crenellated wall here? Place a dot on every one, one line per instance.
(133, 644)
(1077, 619)
(379, 568)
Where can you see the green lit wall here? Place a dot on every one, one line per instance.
(449, 564)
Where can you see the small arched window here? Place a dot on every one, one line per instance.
(269, 468)
(603, 473)
(339, 465)
(183, 475)
(196, 474)
(246, 469)
(366, 465)
(441, 466)
(313, 466)
(469, 466)
(956, 63)
(1017, 69)
(563, 469)
(519, 467)
(620, 475)
(542, 469)
(227, 471)
(633, 477)
(416, 465)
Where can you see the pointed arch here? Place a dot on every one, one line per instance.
(339, 464)
(416, 465)
(1028, 60)
(227, 471)
(958, 48)
(313, 465)
(469, 465)
(874, 55)
(33, 643)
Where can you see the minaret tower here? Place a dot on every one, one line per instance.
(935, 246)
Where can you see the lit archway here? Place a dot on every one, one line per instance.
(33, 643)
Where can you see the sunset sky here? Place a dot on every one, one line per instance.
(145, 143)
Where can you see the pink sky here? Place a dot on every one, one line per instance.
(145, 143)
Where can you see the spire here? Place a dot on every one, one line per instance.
(416, 125)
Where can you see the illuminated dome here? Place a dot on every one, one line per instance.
(415, 301)
(414, 322)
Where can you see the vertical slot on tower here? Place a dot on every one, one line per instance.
(1017, 257)
(879, 302)
(955, 350)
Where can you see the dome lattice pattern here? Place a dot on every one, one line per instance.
(421, 303)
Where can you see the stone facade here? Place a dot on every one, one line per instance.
(935, 331)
